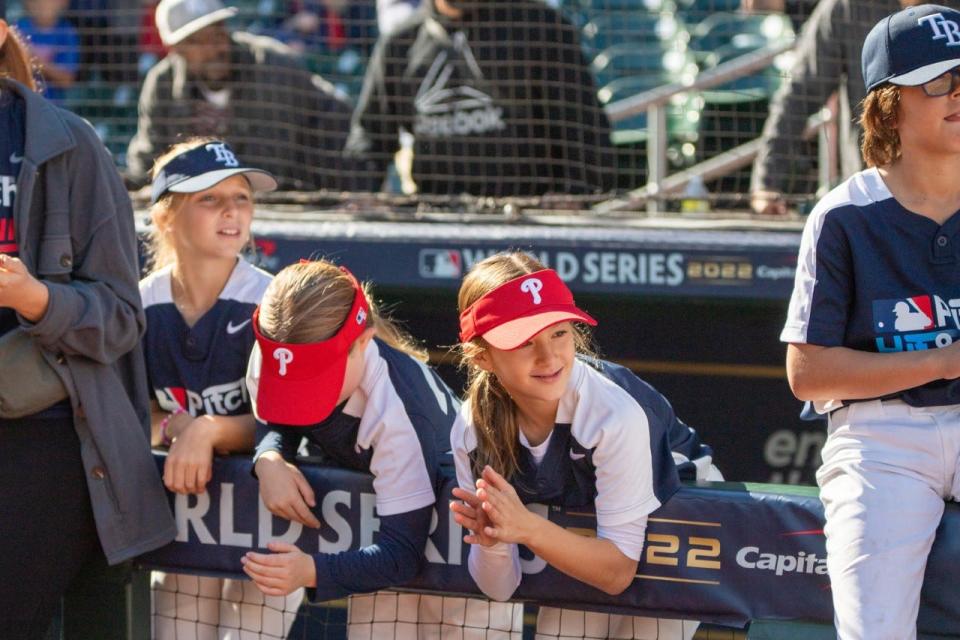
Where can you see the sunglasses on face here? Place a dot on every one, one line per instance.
(943, 84)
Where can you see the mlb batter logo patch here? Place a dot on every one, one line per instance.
(440, 263)
(902, 315)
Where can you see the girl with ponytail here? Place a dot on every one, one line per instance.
(546, 422)
(329, 367)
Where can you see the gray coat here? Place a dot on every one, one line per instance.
(91, 330)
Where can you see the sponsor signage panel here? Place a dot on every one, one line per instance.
(727, 553)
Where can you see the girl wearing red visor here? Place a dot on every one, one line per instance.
(330, 368)
(545, 423)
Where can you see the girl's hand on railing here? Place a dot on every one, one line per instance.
(281, 572)
(285, 491)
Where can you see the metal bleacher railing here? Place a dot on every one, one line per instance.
(653, 102)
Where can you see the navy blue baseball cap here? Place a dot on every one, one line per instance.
(912, 46)
(204, 166)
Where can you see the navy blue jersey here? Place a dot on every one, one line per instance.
(873, 276)
(610, 447)
(11, 155)
(396, 426)
(202, 368)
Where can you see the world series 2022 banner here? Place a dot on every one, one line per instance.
(723, 553)
(625, 261)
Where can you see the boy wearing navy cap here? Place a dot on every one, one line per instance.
(872, 324)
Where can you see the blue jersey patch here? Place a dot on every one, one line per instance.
(202, 368)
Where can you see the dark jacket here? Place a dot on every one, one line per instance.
(500, 102)
(90, 331)
(827, 60)
(282, 118)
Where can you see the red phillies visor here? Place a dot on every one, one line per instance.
(300, 383)
(517, 310)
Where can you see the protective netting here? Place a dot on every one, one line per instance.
(455, 101)
(187, 607)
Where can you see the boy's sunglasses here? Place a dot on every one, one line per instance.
(943, 84)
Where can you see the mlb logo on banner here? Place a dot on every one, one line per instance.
(440, 263)
(902, 315)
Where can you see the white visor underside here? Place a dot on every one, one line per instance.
(259, 180)
(924, 74)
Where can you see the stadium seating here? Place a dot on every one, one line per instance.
(734, 113)
(609, 29)
(628, 70)
(622, 60)
(112, 109)
(683, 118)
(258, 16)
(693, 11)
(606, 6)
(581, 12)
(721, 29)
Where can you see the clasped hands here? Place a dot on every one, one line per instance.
(493, 513)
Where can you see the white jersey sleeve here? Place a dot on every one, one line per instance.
(608, 421)
(625, 491)
(496, 569)
(401, 480)
(628, 537)
(253, 376)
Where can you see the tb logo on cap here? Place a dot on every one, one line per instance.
(943, 28)
(224, 154)
(533, 287)
(284, 357)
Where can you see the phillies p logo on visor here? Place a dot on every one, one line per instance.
(284, 357)
(533, 287)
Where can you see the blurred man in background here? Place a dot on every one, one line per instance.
(250, 90)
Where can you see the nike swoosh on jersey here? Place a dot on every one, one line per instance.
(577, 456)
(14, 158)
(233, 328)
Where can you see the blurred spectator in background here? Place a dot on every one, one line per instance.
(252, 90)
(149, 41)
(53, 41)
(498, 97)
(827, 62)
(108, 37)
(330, 26)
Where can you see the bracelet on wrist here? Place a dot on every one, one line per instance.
(165, 438)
